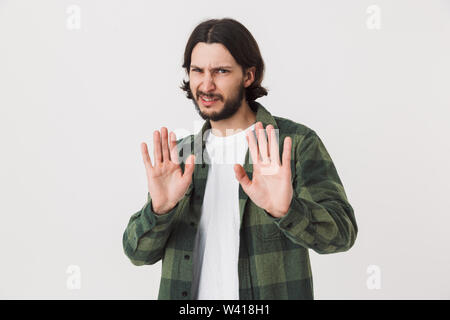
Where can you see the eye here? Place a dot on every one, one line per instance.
(195, 70)
(224, 71)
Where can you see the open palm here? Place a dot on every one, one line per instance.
(271, 186)
(166, 182)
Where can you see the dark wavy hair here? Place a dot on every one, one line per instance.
(239, 42)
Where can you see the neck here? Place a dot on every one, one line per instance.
(242, 119)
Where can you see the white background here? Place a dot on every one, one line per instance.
(76, 103)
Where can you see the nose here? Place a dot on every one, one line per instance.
(207, 84)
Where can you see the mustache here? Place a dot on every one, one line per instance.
(209, 95)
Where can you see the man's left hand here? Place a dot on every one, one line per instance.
(271, 186)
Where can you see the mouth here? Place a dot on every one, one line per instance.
(208, 101)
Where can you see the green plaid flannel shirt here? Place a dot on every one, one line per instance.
(273, 254)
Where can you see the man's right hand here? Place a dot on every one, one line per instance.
(166, 182)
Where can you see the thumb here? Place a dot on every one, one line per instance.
(242, 177)
(189, 167)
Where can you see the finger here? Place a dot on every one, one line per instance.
(173, 148)
(287, 147)
(262, 142)
(165, 144)
(273, 145)
(251, 140)
(146, 157)
(242, 177)
(157, 147)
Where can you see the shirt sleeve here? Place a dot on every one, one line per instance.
(146, 234)
(320, 216)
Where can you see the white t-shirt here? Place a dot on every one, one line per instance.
(216, 249)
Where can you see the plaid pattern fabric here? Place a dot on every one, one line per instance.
(273, 255)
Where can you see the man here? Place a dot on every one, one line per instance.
(239, 228)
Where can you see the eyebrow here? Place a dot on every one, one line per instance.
(219, 67)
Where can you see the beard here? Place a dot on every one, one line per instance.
(230, 107)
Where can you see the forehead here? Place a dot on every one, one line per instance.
(211, 55)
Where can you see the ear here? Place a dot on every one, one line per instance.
(249, 76)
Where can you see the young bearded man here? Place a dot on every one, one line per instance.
(237, 227)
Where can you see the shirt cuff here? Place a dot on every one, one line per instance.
(296, 219)
(157, 218)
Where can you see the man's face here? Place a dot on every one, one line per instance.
(216, 81)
